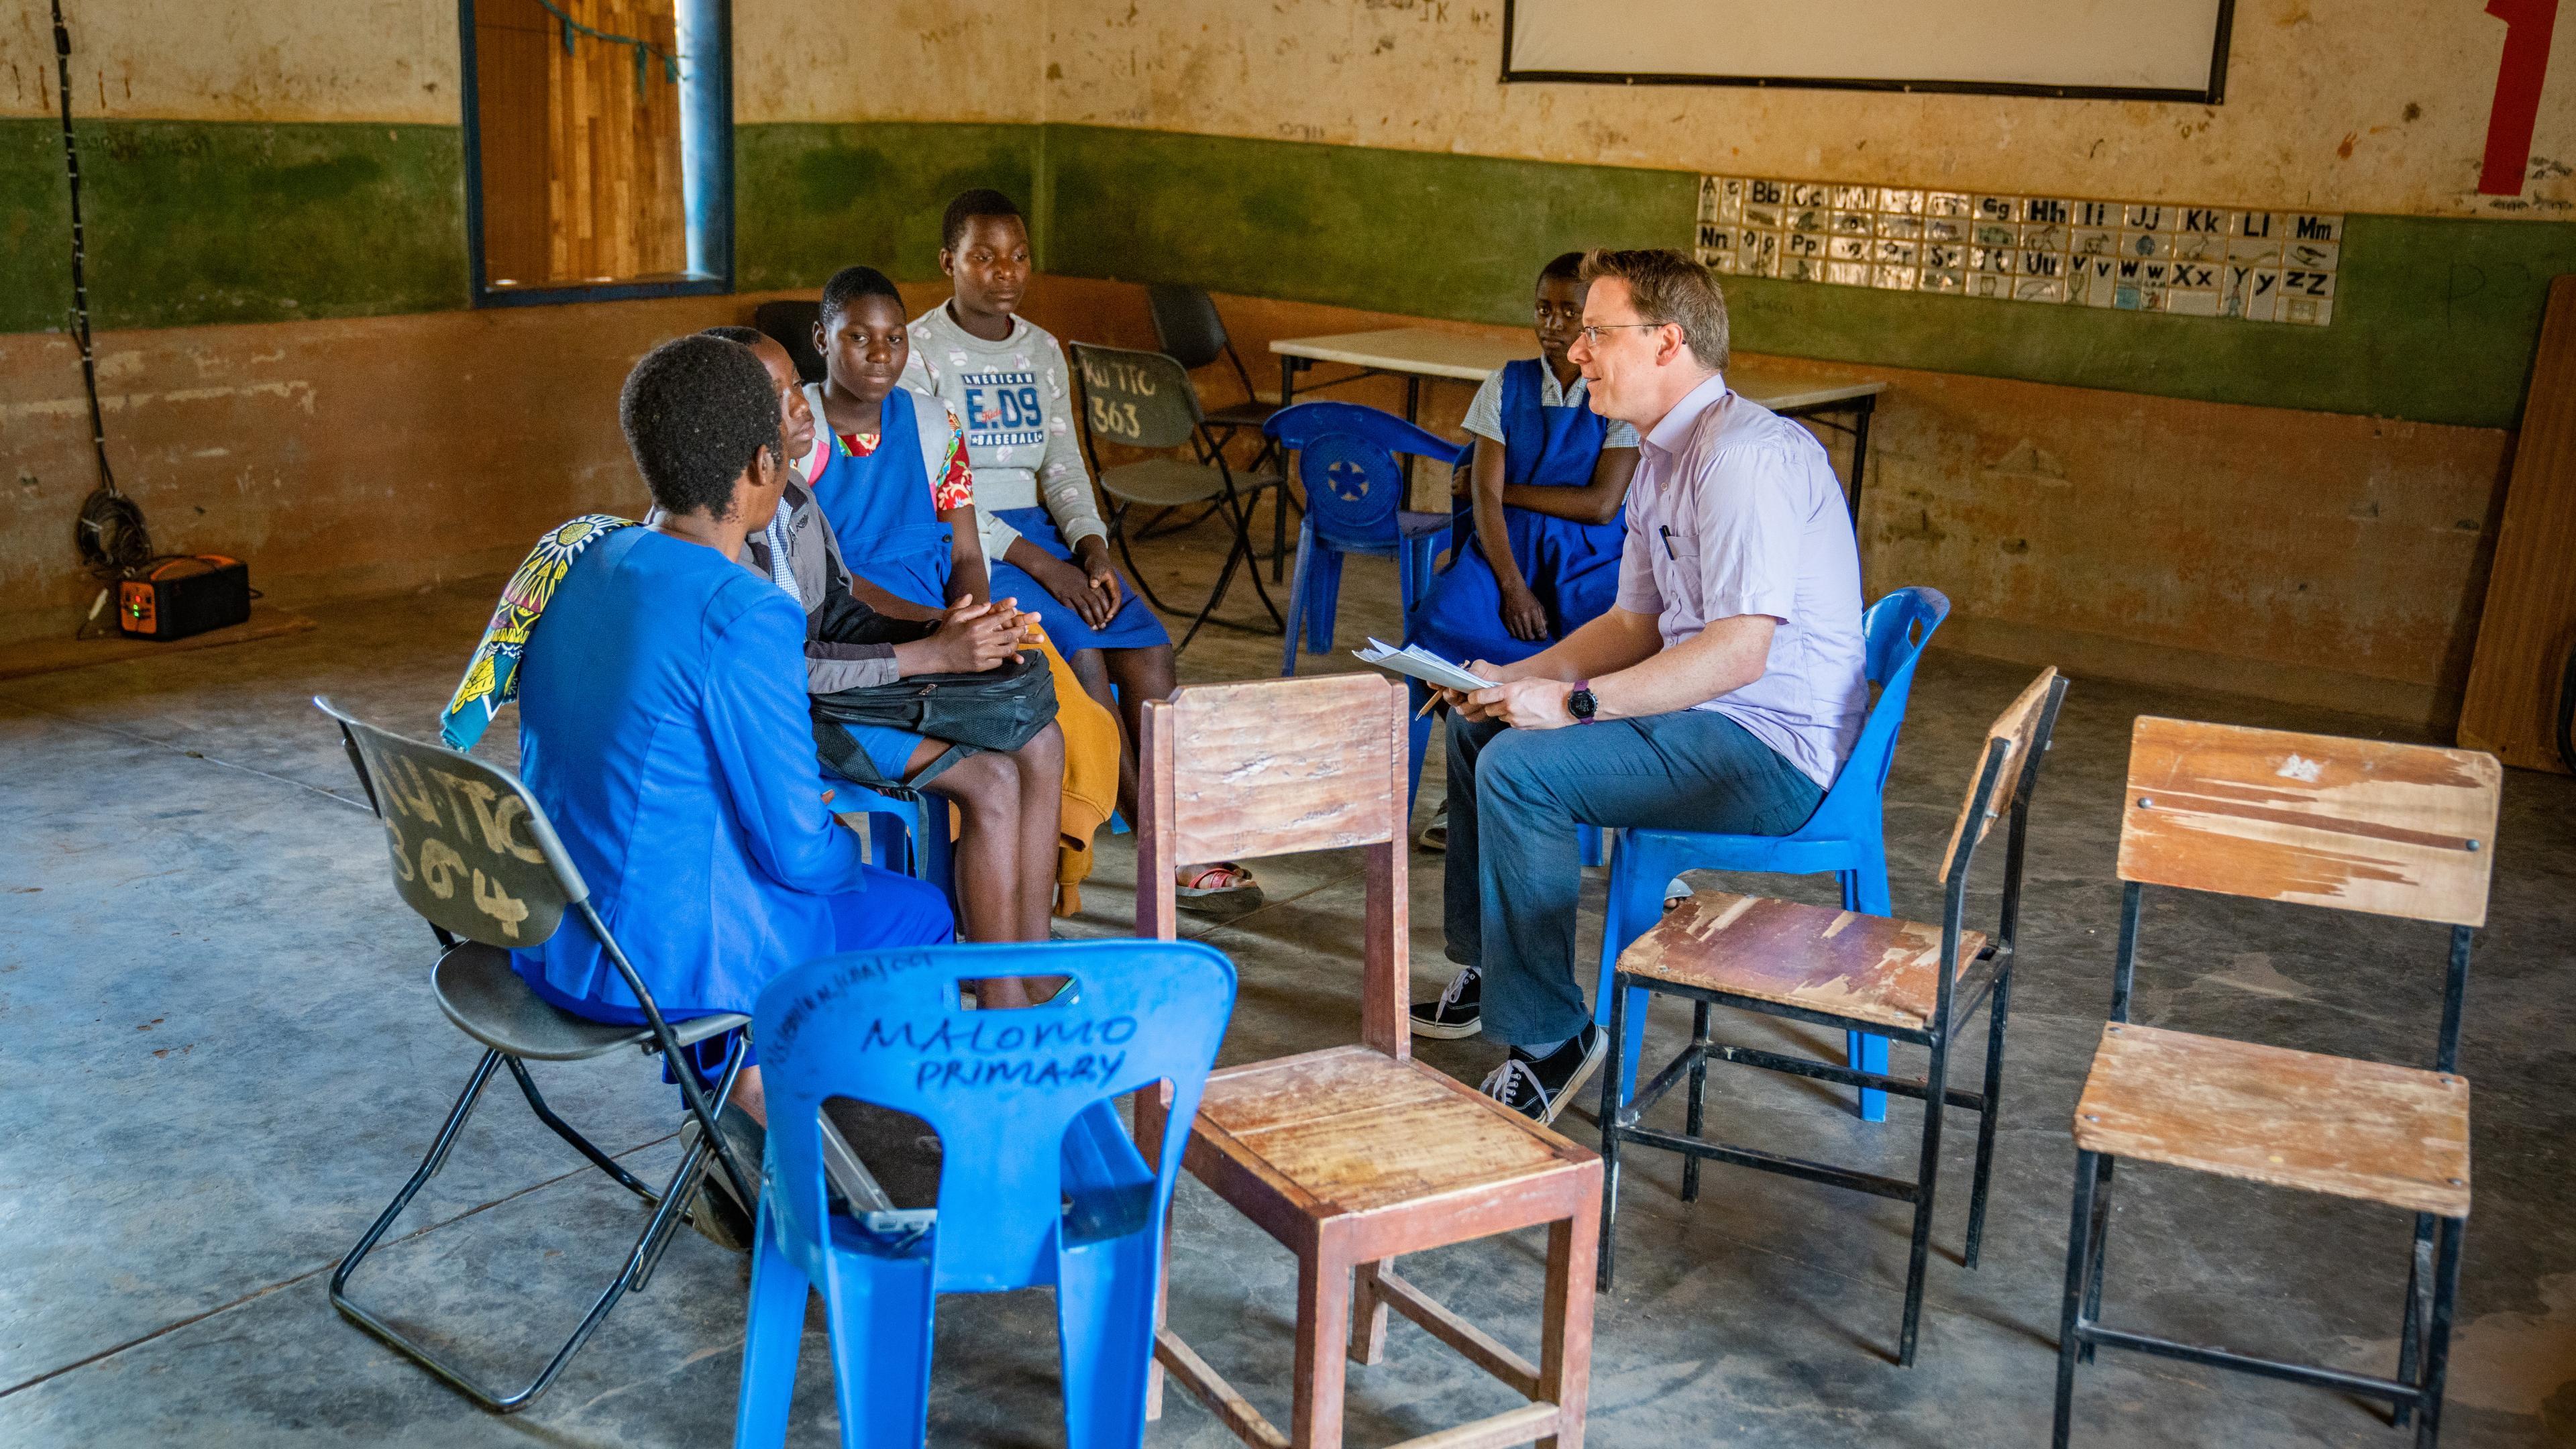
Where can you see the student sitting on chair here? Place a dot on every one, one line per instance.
(662, 725)
(1542, 498)
(888, 469)
(1008, 800)
(1040, 528)
(1721, 691)
(1549, 479)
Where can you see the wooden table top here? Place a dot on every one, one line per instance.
(1426, 352)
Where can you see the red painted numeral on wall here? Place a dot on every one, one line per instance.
(2517, 94)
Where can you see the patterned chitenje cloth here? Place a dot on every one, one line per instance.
(491, 676)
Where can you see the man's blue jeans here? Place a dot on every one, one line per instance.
(1514, 867)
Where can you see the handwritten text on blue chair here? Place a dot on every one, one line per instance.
(1346, 458)
(1844, 837)
(1039, 1182)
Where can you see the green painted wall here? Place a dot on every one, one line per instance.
(810, 199)
(204, 222)
(2436, 318)
(208, 222)
(1423, 233)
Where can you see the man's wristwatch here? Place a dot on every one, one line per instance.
(1581, 704)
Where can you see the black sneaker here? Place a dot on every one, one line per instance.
(1540, 1087)
(1456, 1013)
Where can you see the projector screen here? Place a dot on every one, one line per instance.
(2126, 49)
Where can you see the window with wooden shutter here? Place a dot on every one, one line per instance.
(599, 145)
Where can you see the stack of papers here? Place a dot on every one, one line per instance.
(1416, 662)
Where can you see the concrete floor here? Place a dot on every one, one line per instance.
(222, 1061)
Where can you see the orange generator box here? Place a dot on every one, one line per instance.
(184, 596)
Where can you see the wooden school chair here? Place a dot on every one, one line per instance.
(1353, 1154)
(1854, 972)
(2406, 831)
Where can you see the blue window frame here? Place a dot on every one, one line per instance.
(512, 111)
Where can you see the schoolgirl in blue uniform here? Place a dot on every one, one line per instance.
(663, 726)
(1537, 555)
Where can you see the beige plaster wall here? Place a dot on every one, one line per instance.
(397, 60)
(237, 60)
(2350, 105)
(892, 60)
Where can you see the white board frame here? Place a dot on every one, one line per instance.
(2214, 93)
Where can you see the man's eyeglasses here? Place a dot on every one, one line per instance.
(1592, 335)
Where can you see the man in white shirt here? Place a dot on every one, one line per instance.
(1722, 691)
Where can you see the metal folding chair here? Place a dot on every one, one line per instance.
(1190, 330)
(1144, 400)
(476, 857)
(2379, 829)
(1916, 982)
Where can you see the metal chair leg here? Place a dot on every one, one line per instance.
(2079, 1270)
(2101, 1252)
(1698, 1096)
(1927, 1176)
(1118, 531)
(1998, 1008)
(566, 1131)
(1240, 513)
(2419, 1307)
(1240, 553)
(2437, 1336)
(637, 1270)
(1610, 1127)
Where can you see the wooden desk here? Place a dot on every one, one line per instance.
(1414, 353)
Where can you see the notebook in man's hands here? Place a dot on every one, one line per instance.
(1415, 662)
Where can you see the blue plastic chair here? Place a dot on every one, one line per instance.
(901, 833)
(1347, 460)
(1844, 837)
(1039, 1182)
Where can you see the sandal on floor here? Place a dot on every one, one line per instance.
(1223, 886)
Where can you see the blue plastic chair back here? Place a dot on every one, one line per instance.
(1039, 1183)
(1894, 632)
(1346, 458)
(1001, 1088)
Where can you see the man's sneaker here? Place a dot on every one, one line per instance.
(1435, 836)
(1457, 1013)
(1540, 1087)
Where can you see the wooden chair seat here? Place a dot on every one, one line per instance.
(1819, 958)
(2385, 1134)
(1351, 1130)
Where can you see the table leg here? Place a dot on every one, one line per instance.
(1413, 415)
(1860, 452)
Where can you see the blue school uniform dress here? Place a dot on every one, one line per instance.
(1132, 627)
(890, 535)
(662, 725)
(1572, 567)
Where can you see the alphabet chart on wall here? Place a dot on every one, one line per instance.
(2193, 261)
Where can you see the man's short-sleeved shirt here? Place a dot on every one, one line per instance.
(1736, 510)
